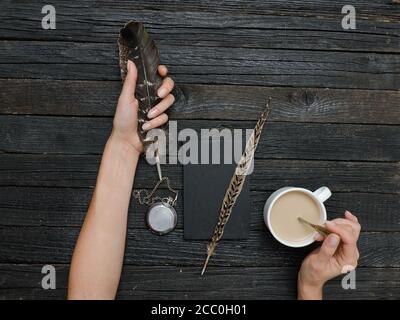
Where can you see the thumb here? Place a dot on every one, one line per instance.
(128, 89)
(328, 247)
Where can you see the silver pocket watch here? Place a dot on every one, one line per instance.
(161, 216)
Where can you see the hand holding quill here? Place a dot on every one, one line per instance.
(136, 45)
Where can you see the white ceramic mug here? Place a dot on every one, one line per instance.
(319, 196)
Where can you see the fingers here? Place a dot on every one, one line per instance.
(161, 107)
(355, 226)
(350, 221)
(350, 216)
(162, 70)
(166, 87)
(156, 114)
(346, 233)
(328, 248)
(128, 89)
(318, 237)
(156, 122)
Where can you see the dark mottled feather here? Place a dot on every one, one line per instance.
(135, 44)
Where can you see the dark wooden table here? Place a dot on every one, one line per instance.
(336, 122)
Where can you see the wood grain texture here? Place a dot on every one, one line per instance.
(30, 134)
(215, 65)
(23, 282)
(314, 25)
(81, 171)
(51, 245)
(66, 207)
(98, 98)
(228, 57)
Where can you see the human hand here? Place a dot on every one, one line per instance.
(126, 118)
(337, 254)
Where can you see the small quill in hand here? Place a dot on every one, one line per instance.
(236, 184)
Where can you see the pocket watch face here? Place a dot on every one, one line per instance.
(161, 218)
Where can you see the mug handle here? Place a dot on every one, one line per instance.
(322, 194)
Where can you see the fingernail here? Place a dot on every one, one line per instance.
(146, 126)
(333, 240)
(318, 237)
(162, 92)
(129, 65)
(152, 113)
(330, 223)
(348, 212)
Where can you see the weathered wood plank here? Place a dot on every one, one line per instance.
(24, 282)
(81, 171)
(26, 206)
(55, 245)
(256, 24)
(65, 135)
(53, 97)
(98, 98)
(66, 207)
(256, 43)
(366, 8)
(376, 212)
(217, 65)
(339, 176)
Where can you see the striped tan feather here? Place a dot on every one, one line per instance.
(236, 184)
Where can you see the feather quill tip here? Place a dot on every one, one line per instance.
(210, 251)
(205, 264)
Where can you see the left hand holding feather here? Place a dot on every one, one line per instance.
(126, 118)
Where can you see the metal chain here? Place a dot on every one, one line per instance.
(144, 197)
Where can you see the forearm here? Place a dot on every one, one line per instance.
(97, 260)
(307, 291)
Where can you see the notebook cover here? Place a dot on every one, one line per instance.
(204, 189)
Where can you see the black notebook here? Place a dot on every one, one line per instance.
(204, 189)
